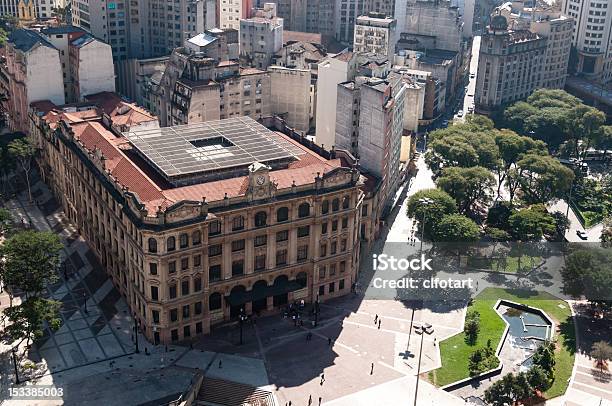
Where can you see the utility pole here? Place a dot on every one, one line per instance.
(416, 389)
(17, 381)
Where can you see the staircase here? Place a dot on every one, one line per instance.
(218, 392)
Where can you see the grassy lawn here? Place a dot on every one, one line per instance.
(508, 264)
(455, 352)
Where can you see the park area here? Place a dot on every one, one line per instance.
(456, 350)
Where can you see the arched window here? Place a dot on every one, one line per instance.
(238, 223)
(171, 244)
(183, 240)
(325, 207)
(346, 202)
(302, 279)
(261, 219)
(196, 238)
(152, 245)
(304, 210)
(214, 301)
(336, 204)
(282, 214)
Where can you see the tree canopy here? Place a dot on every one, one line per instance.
(456, 228)
(441, 204)
(587, 272)
(471, 187)
(532, 224)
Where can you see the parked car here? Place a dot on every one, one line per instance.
(582, 234)
(472, 75)
(460, 113)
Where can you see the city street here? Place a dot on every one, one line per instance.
(468, 98)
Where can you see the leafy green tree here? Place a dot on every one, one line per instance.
(587, 272)
(7, 165)
(442, 204)
(538, 378)
(482, 360)
(586, 124)
(499, 215)
(501, 392)
(27, 321)
(5, 220)
(471, 187)
(23, 151)
(31, 258)
(456, 228)
(562, 223)
(516, 115)
(471, 327)
(544, 357)
(601, 353)
(606, 233)
(532, 224)
(541, 178)
(497, 234)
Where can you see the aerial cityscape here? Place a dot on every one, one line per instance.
(306, 202)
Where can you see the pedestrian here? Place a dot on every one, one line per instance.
(322, 379)
(220, 364)
(146, 351)
(476, 285)
(166, 348)
(329, 341)
(320, 399)
(309, 400)
(434, 341)
(379, 320)
(191, 346)
(372, 369)
(376, 319)
(289, 403)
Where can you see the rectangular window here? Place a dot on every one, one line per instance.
(186, 331)
(215, 250)
(335, 225)
(155, 315)
(342, 266)
(184, 263)
(332, 269)
(322, 290)
(364, 210)
(332, 287)
(282, 236)
(260, 262)
(237, 245)
(237, 268)
(197, 284)
(197, 261)
(343, 245)
(153, 269)
(154, 293)
(186, 312)
(174, 335)
(323, 250)
(324, 228)
(332, 250)
(173, 315)
(341, 284)
(303, 231)
(185, 287)
(172, 267)
(302, 253)
(281, 257)
(214, 228)
(261, 240)
(214, 273)
(322, 272)
(344, 222)
(172, 291)
(197, 308)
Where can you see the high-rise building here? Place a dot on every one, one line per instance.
(592, 37)
(511, 65)
(346, 13)
(261, 36)
(315, 16)
(370, 124)
(30, 10)
(200, 223)
(232, 11)
(375, 33)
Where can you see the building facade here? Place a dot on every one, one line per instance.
(261, 36)
(375, 33)
(592, 38)
(232, 11)
(290, 96)
(204, 246)
(510, 67)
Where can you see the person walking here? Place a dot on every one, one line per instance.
(372, 369)
(220, 364)
(379, 323)
(309, 400)
(329, 341)
(320, 399)
(376, 319)
(322, 379)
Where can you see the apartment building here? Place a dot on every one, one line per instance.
(261, 36)
(232, 11)
(375, 33)
(345, 17)
(370, 124)
(314, 16)
(510, 67)
(192, 238)
(592, 38)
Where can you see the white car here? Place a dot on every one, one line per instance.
(460, 113)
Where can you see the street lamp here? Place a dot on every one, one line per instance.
(416, 389)
(136, 333)
(426, 201)
(241, 318)
(316, 311)
(17, 381)
(410, 331)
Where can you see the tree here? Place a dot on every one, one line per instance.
(482, 360)
(562, 223)
(532, 223)
(587, 272)
(22, 151)
(544, 357)
(516, 115)
(470, 187)
(541, 178)
(499, 215)
(497, 234)
(471, 326)
(31, 259)
(500, 393)
(456, 228)
(601, 352)
(442, 204)
(606, 233)
(538, 378)
(5, 220)
(27, 321)
(521, 388)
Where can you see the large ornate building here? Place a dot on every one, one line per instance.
(195, 223)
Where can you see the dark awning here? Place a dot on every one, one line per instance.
(282, 288)
(237, 298)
